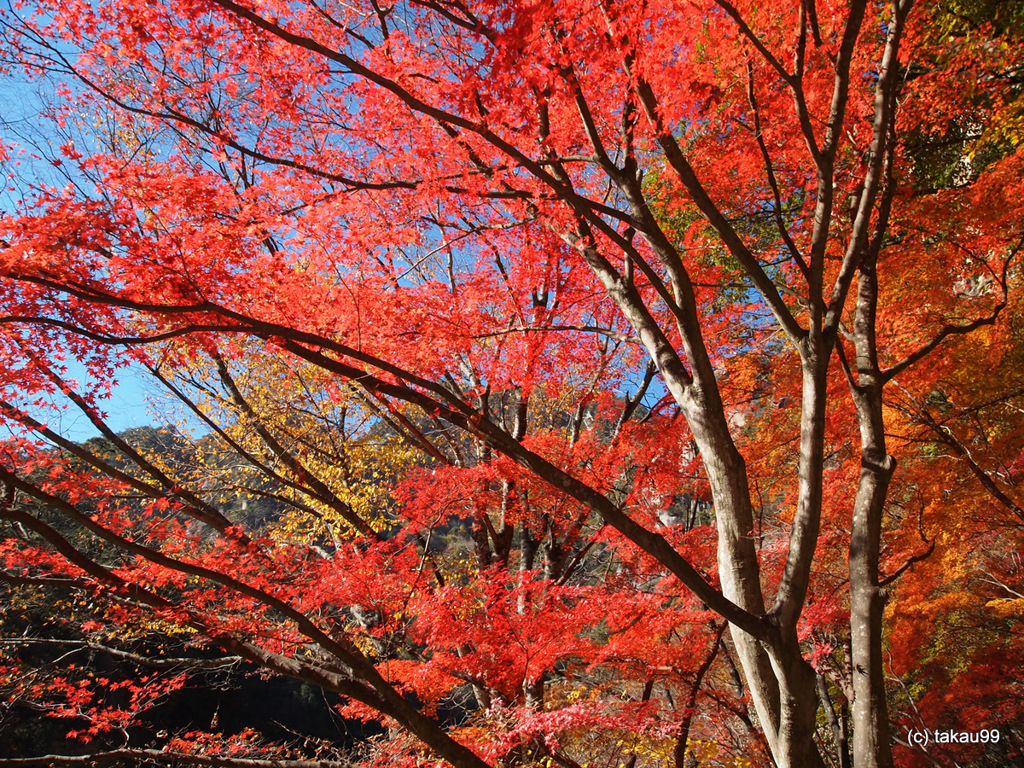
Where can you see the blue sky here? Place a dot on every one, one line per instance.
(21, 101)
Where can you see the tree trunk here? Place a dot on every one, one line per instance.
(871, 734)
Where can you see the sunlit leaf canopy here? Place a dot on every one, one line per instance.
(515, 349)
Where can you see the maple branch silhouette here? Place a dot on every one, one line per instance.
(441, 401)
(166, 757)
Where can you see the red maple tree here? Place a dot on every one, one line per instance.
(561, 337)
